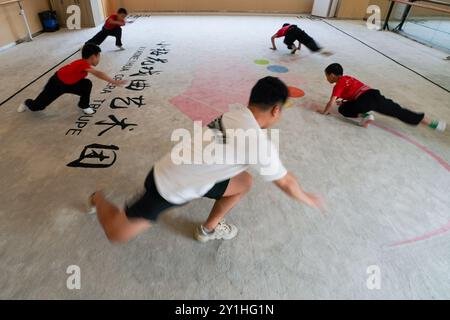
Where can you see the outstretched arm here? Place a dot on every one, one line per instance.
(329, 105)
(289, 185)
(274, 47)
(105, 77)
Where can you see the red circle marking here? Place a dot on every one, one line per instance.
(295, 92)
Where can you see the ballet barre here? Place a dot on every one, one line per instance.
(22, 13)
(414, 3)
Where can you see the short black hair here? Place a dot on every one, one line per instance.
(122, 10)
(335, 68)
(268, 92)
(286, 24)
(90, 49)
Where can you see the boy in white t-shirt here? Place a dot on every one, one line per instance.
(172, 182)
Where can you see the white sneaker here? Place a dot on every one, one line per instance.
(223, 231)
(121, 48)
(367, 120)
(442, 125)
(89, 111)
(22, 108)
(293, 51)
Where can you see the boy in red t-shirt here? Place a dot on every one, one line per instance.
(112, 28)
(357, 100)
(71, 79)
(292, 33)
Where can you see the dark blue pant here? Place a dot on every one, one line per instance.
(104, 33)
(372, 100)
(294, 33)
(56, 88)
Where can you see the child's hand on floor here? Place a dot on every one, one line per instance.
(120, 83)
(315, 201)
(324, 112)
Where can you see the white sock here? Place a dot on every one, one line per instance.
(206, 231)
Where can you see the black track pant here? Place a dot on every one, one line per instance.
(372, 100)
(104, 33)
(294, 33)
(56, 88)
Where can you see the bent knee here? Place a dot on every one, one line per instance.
(344, 111)
(247, 182)
(117, 238)
(117, 235)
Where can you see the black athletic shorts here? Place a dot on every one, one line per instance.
(151, 204)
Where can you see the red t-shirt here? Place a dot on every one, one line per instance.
(110, 26)
(349, 88)
(282, 31)
(73, 72)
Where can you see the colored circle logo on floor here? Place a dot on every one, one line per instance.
(295, 92)
(277, 69)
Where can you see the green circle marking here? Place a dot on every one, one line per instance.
(262, 61)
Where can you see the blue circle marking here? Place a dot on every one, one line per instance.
(278, 69)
